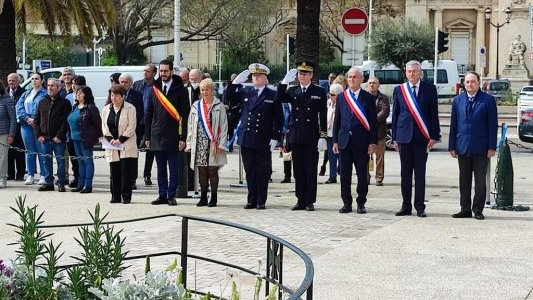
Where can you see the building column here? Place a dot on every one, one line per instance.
(480, 39)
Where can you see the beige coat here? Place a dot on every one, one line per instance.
(219, 122)
(126, 127)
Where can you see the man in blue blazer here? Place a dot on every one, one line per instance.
(473, 135)
(355, 136)
(259, 130)
(415, 129)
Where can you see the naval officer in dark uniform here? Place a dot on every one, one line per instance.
(306, 126)
(259, 130)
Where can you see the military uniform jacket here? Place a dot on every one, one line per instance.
(261, 116)
(308, 115)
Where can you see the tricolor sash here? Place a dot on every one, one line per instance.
(414, 109)
(203, 116)
(357, 109)
(166, 104)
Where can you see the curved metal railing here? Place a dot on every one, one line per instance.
(274, 254)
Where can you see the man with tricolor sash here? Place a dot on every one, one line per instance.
(415, 130)
(355, 137)
(166, 129)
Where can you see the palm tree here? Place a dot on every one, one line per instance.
(57, 16)
(308, 31)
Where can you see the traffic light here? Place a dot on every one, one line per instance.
(442, 41)
(291, 45)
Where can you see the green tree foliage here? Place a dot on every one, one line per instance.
(399, 41)
(58, 50)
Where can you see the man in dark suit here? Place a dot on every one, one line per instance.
(259, 130)
(136, 99)
(16, 160)
(193, 90)
(473, 135)
(144, 87)
(415, 129)
(164, 133)
(306, 127)
(355, 137)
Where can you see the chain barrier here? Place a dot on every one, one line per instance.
(64, 156)
(519, 145)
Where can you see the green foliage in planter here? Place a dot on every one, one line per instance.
(39, 260)
(102, 255)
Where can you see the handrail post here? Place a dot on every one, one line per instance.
(184, 245)
(280, 279)
(267, 285)
(309, 292)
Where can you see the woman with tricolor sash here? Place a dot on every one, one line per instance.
(206, 140)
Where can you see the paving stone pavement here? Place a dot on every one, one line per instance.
(372, 256)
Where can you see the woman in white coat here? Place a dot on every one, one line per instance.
(206, 140)
(119, 120)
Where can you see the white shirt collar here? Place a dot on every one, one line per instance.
(168, 84)
(305, 87)
(417, 84)
(259, 90)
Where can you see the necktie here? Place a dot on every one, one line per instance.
(469, 106)
(165, 89)
(257, 93)
(11, 93)
(414, 89)
(304, 90)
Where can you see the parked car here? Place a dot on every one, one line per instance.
(525, 128)
(500, 89)
(526, 90)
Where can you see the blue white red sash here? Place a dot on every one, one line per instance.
(203, 115)
(357, 109)
(414, 109)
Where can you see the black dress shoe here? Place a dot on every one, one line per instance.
(462, 214)
(212, 204)
(202, 202)
(361, 209)
(76, 190)
(147, 181)
(330, 181)
(172, 201)
(421, 214)
(345, 209)
(86, 191)
(379, 183)
(249, 206)
(160, 200)
(298, 207)
(322, 171)
(126, 201)
(134, 187)
(114, 201)
(10, 177)
(261, 206)
(479, 216)
(310, 207)
(73, 184)
(46, 187)
(286, 180)
(403, 212)
(61, 188)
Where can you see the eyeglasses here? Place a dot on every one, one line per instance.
(332, 95)
(36, 79)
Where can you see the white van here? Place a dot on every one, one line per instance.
(448, 81)
(97, 78)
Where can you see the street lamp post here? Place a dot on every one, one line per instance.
(488, 13)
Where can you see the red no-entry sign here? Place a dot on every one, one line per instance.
(355, 21)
